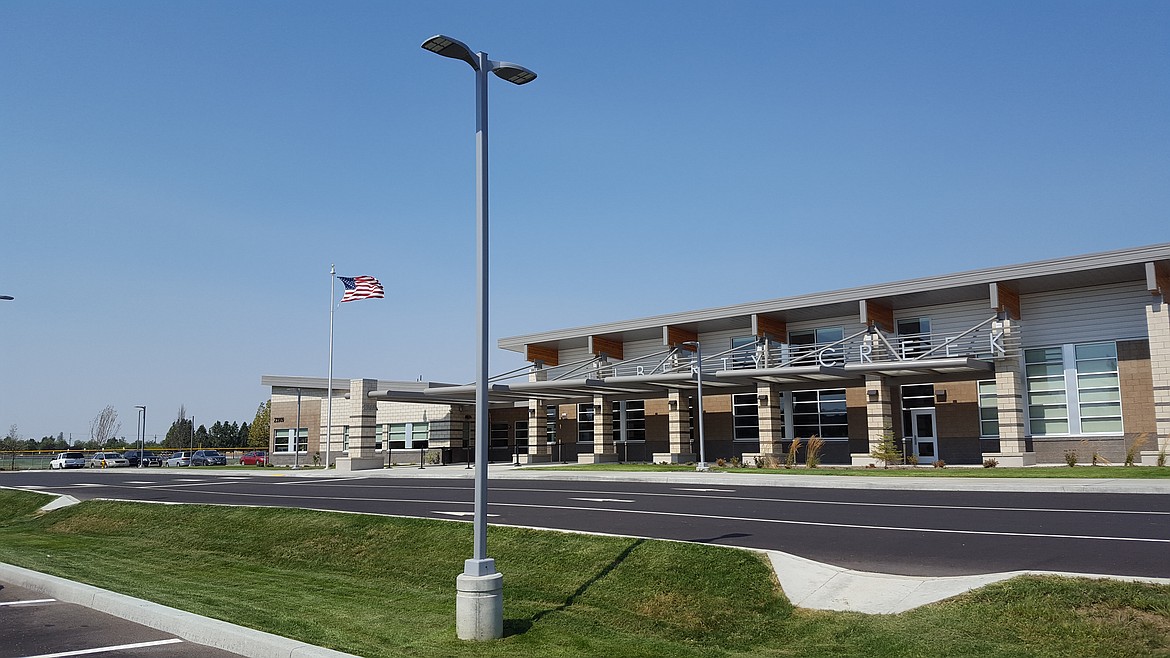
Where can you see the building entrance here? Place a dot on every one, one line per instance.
(923, 432)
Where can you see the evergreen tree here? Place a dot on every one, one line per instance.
(258, 432)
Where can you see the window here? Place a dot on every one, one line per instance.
(521, 432)
(1073, 389)
(498, 434)
(1098, 388)
(420, 435)
(915, 396)
(284, 440)
(584, 423)
(380, 437)
(629, 420)
(396, 436)
(550, 423)
(743, 349)
(1047, 399)
(804, 342)
(821, 413)
(345, 438)
(745, 416)
(988, 409)
(914, 335)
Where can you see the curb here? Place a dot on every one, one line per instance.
(189, 626)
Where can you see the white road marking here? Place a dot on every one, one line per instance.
(28, 602)
(86, 484)
(188, 480)
(140, 482)
(705, 490)
(122, 647)
(462, 514)
(604, 500)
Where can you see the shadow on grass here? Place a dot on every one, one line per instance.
(712, 540)
(520, 626)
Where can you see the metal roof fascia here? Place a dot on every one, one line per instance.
(923, 284)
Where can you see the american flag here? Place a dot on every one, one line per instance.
(361, 287)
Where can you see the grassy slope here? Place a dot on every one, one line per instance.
(385, 587)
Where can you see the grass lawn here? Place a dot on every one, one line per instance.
(378, 586)
(1114, 472)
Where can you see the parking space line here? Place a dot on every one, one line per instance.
(121, 647)
(28, 602)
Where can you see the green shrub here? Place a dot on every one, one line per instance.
(990, 463)
(1070, 457)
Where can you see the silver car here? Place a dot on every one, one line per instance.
(178, 459)
(107, 460)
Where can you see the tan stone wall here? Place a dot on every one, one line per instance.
(958, 416)
(310, 418)
(1137, 390)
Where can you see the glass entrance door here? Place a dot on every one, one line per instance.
(925, 441)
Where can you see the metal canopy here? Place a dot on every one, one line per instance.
(661, 384)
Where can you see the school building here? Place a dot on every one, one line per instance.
(1021, 364)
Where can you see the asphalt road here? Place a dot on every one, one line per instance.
(32, 625)
(925, 533)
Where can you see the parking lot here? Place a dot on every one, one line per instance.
(33, 625)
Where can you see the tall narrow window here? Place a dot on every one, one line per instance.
(745, 415)
(345, 438)
(585, 423)
(499, 435)
(988, 409)
(1047, 397)
(629, 420)
(521, 432)
(1098, 388)
(550, 423)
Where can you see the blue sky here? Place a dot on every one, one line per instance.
(176, 178)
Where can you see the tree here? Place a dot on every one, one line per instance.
(179, 434)
(104, 426)
(242, 435)
(201, 436)
(11, 443)
(887, 450)
(258, 432)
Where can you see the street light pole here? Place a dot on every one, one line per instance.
(141, 433)
(479, 603)
(698, 370)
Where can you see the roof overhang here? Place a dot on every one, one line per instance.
(635, 387)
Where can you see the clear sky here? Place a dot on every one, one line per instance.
(176, 177)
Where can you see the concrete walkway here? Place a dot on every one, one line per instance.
(749, 477)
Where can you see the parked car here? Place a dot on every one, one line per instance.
(178, 459)
(107, 460)
(208, 458)
(255, 458)
(145, 457)
(67, 460)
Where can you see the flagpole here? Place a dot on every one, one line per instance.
(329, 385)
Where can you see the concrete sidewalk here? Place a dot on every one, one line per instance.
(747, 477)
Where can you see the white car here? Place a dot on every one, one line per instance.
(107, 460)
(68, 460)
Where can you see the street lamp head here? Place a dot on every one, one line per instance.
(7, 298)
(453, 48)
(514, 73)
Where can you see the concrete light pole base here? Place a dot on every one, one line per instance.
(479, 607)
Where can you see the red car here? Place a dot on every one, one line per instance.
(254, 458)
